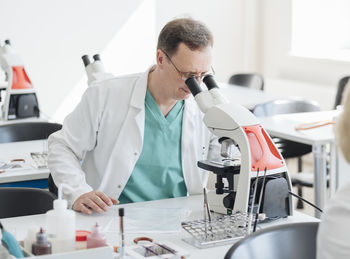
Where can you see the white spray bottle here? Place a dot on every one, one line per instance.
(60, 224)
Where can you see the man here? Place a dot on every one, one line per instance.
(138, 137)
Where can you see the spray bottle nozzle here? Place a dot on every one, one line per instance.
(61, 203)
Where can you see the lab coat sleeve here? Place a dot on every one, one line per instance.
(68, 146)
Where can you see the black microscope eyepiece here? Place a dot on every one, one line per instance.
(193, 85)
(86, 60)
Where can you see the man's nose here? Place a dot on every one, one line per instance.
(199, 79)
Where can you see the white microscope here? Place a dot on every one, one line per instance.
(95, 71)
(235, 125)
(19, 100)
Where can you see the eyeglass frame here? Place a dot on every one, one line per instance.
(190, 74)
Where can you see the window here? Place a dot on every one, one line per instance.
(321, 29)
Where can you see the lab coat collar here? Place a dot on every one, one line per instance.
(139, 93)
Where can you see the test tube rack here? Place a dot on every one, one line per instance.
(221, 230)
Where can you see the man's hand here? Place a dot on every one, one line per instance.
(93, 201)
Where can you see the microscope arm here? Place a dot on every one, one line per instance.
(233, 121)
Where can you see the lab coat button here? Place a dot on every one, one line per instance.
(135, 153)
(119, 186)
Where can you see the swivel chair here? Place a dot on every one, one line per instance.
(290, 149)
(15, 202)
(26, 131)
(251, 80)
(287, 241)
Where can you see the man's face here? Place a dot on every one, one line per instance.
(183, 64)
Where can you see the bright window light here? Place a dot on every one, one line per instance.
(320, 29)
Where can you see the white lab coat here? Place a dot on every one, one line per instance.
(333, 236)
(101, 140)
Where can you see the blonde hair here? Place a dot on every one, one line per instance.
(343, 126)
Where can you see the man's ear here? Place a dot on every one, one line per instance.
(160, 58)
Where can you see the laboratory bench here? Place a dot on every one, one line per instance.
(190, 208)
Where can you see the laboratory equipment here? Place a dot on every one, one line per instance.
(206, 205)
(235, 125)
(95, 71)
(41, 246)
(121, 231)
(11, 243)
(250, 217)
(81, 239)
(40, 159)
(20, 100)
(221, 230)
(260, 199)
(147, 248)
(60, 225)
(96, 238)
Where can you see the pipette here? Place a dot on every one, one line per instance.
(121, 228)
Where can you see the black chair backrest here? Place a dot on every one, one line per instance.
(15, 202)
(341, 86)
(251, 80)
(288, 149)
(288, 241)
(26, 131)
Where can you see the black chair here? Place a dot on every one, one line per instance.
(288, 241)
(340, 89)
(15, 202)
(251, 80)
(26, 131)
(290, 149)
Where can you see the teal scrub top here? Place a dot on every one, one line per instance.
(158, 171)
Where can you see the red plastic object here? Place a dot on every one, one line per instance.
(20, 79)
(263, 151)
(81, 235)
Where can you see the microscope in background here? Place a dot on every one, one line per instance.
(95, 71)
(235, 125)
(17, 97)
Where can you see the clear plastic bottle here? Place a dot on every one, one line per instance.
(96, 238)
(60, 225)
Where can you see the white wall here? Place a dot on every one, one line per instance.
(51, 36)
(224, 18)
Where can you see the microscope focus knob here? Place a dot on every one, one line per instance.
(229, 200)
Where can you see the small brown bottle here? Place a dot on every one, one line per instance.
(41, 246)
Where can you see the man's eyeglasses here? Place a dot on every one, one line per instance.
(185, 75)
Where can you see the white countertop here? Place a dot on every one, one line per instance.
(194, 205)
(283, 126)
(22, 150)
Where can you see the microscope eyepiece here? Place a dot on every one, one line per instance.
(86, 60)
(210, 82)
(193, 85)
(96, 57)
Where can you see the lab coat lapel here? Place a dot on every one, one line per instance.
(190, 146)
(128, 146)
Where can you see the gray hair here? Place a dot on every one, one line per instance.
(194, 34)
